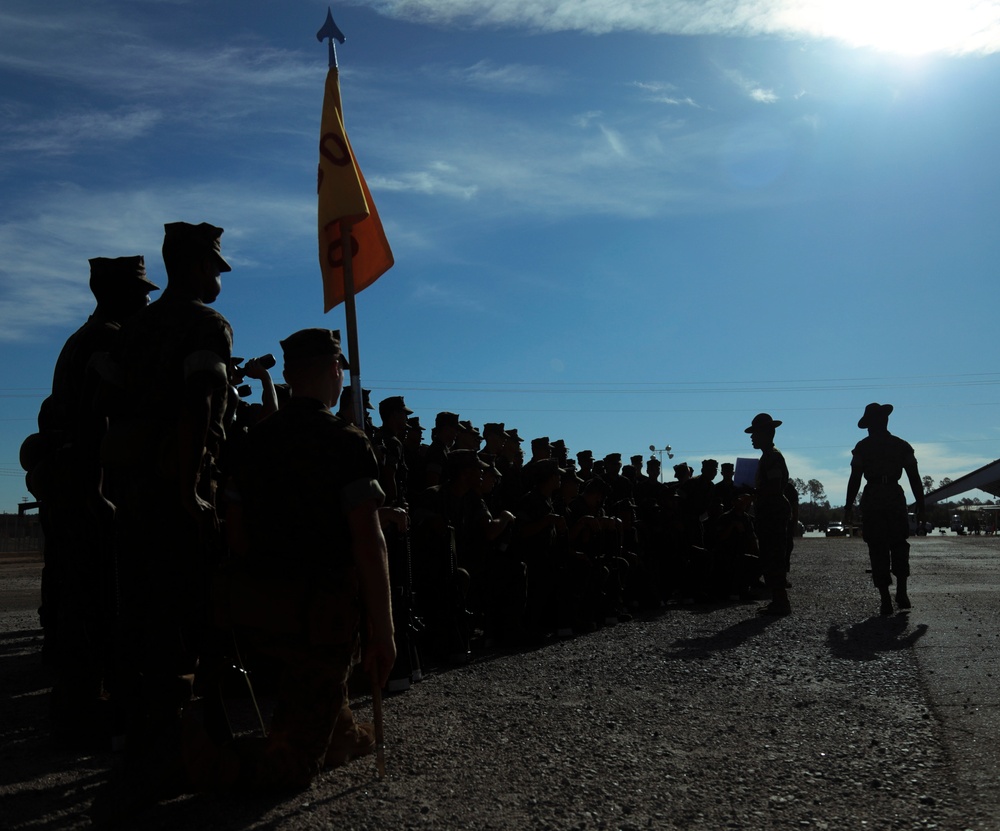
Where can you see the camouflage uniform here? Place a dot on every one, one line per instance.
(303, 471)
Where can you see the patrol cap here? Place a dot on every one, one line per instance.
(459, 460)
(490, 460)
(541, 441)
(466, 427)
(727, 466)
(709, 463)
(543, 469)
(613, 457)
(494, 428)
(636, 460)
(446, 419)
(512, 434)
(393, 404)
(313, 343)
(184, 238)
(762, 422)
(414, 424)
(585, 454)
(875, 413)
(110, 273)
(347, 396)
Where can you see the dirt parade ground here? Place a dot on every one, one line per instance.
(694, 717)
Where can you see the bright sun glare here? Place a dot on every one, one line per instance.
(911, 27)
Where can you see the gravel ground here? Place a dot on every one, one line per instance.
(695, 717)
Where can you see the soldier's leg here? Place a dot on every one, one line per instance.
(311, 698)
(899, 556)
(771, 537)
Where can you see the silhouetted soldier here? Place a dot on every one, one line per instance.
(389, 451)
(536, 531)
(346, 409)
(446, 429)
(310, 557)
(725, 488)
(881, 459)
(78, 578)
(415, 452)
(771, 511)
(469, 437)
(165, 435)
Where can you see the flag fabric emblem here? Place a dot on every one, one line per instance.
(344, 199)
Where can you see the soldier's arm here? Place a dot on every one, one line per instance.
(913, 474)
(192, 433)
(853, 486)
(371, 558)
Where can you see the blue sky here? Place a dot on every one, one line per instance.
(619, 224)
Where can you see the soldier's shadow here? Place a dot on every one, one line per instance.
(869, 639)
(731, 637)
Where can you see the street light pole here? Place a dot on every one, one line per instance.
(661, 451)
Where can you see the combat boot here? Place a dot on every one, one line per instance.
(902, 599)
(886, 601)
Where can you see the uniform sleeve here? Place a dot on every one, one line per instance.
(210, 349)
(359, 480)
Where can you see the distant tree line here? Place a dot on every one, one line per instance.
(815, 509)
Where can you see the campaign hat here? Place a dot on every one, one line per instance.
(110, 273)
(875, 413)
(313, 343)
(762, 422)
(185, 238)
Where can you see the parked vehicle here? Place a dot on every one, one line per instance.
(837, 529)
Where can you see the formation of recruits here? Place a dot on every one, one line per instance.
(185, 526)
(520, 547)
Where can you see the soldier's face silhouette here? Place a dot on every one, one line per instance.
(209, 280)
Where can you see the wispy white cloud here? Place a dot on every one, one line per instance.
(949, 26)
(70, 132)
(753, 90)
(446, 296)
(44, 273)
(436, 180)
(664, 93)
(502, 77)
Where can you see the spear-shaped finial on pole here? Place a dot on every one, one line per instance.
(332, 32)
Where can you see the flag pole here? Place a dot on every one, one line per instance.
(331, 32)
(350, 308)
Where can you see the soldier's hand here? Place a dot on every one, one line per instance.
(380, 655)
(101, 508)
(202, 511)
(397, 518)
(253, 369)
